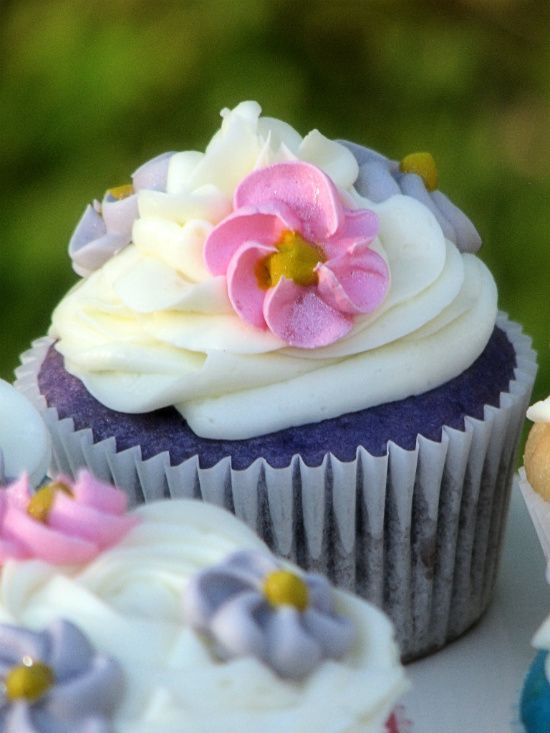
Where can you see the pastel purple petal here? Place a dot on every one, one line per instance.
(304, 188)
(92, 255)
(152, 174)
(355, 282)
(301, 318)
(90, 226)
(119, 215)
(292, 650)
(235, 628)
(243, 288)
(246, 225)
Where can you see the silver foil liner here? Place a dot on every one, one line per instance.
(416, 532)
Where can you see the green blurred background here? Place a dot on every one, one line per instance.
(90, 89)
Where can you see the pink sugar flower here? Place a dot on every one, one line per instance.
(296, 260)
(64, 523)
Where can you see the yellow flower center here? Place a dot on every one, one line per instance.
(295, 259)
(121, 192)
(41, 503)
(28, 681)
(424, 166)
(283, 588)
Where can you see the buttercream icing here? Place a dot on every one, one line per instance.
(128, 602)
(154, 327)
(25, 443)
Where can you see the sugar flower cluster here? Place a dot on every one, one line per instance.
(54, 681)
(65, 522)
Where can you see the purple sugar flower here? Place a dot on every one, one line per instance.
(106, 226)
(54, 682)
(251, 605)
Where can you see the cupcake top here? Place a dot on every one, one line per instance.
(537, 448)
(24, 440)
(244, 285)
(173, 618)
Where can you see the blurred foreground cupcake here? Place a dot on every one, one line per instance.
(535, 487)
(299, 330)
(175, 618)
(535, 475)
(25, 443)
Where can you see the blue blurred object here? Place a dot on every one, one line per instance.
(535, 697)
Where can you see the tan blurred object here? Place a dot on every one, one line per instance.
(537, 459)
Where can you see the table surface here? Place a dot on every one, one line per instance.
(473, 685)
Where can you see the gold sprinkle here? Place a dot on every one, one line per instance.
(121, 192)
(42, 501)
(283, 588)
(28, 682)
(424, 166)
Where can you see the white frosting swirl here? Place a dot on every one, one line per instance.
(153, 328)
(128, 602)
(540, 411)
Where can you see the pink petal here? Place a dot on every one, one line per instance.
(245, 293)
(18, 493)
(76, 520)
(355, 282)
(87, 489)
(301, 318)
(264, 225)
(304, 188)
(40, 541)
(359, 227)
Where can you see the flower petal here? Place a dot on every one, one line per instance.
(359, 227)
(119, 215)
(235, 629)
(153, 173)
(301, 318)
(90, 246)
(245, 294)
(207, 591)
(304, 188)
(263, 224)
(87, 523)
(291, 650)
(355, 282)
(45, 543)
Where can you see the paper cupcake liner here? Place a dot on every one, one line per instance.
(415, 532)
(539, 511)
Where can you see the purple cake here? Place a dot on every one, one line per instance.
(299, 330)
(400, 422)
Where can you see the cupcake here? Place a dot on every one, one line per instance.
(172, 618)
(534, 476)
(24, 440)
(298, 329)
(534, 482)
